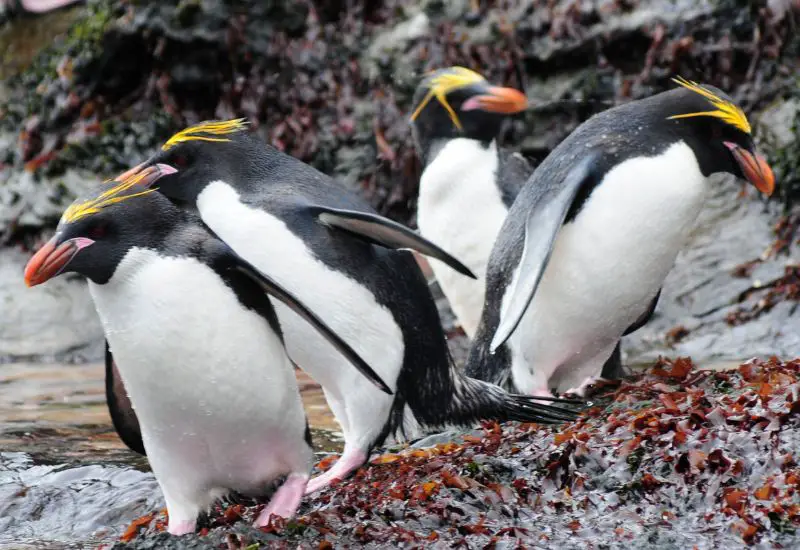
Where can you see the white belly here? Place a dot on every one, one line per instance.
(608, 264)
(461, 210)
(346, 306)
(211, 383)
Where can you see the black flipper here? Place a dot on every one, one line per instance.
(119, 407)
(271, 287)
(385, 232)
(612, 369)
(644, 317)
(545, 218)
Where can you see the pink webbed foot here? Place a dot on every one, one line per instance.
(181, 527)
(346, 465)
(286, 499)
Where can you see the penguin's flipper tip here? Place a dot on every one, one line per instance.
(387, 233)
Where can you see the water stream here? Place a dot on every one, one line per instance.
(66, 480)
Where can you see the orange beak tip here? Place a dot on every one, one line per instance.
(754, 167)
(497, 100)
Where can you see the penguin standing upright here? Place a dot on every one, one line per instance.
(330, 249)
(468, 183)
(199, 346)
(592, 235)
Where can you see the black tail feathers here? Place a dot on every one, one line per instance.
(471, 400)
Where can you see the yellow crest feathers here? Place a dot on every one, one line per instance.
(113, 195)
(725, 110)
(206, 131)
(442, 84)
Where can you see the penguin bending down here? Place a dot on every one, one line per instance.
(468, 183)
(593, 233)
(331, 250)
(215, 394)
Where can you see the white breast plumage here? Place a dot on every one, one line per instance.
(460, 208)
(211, 383)
(606, 267)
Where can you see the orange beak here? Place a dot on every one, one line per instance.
(754, 167)
(497, 100)
(52, 258)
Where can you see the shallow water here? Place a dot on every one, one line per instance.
(66, 479)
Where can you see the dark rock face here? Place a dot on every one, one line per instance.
(332, 87)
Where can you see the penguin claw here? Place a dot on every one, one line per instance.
(591, 383)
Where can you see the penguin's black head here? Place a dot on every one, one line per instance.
(458, 102)
(98, 229)
(718, 132)
(203, 153)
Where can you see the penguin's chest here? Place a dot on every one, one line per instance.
(348, 307)
(209, 379)
(609, 262)
(460, 208)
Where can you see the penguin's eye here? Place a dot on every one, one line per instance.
(180, 161)
(98, 231)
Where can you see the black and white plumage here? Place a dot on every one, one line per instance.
(594, 232)
(468, 182)
(199, 350)
(336, 254)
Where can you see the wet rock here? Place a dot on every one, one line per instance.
(31, 201)
(441, 438)
(702, 289)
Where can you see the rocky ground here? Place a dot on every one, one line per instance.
(330, 82)
(674, 458)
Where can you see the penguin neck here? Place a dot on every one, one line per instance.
(431, 147)
(460, 166)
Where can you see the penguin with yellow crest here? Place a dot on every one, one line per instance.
(596, 229)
